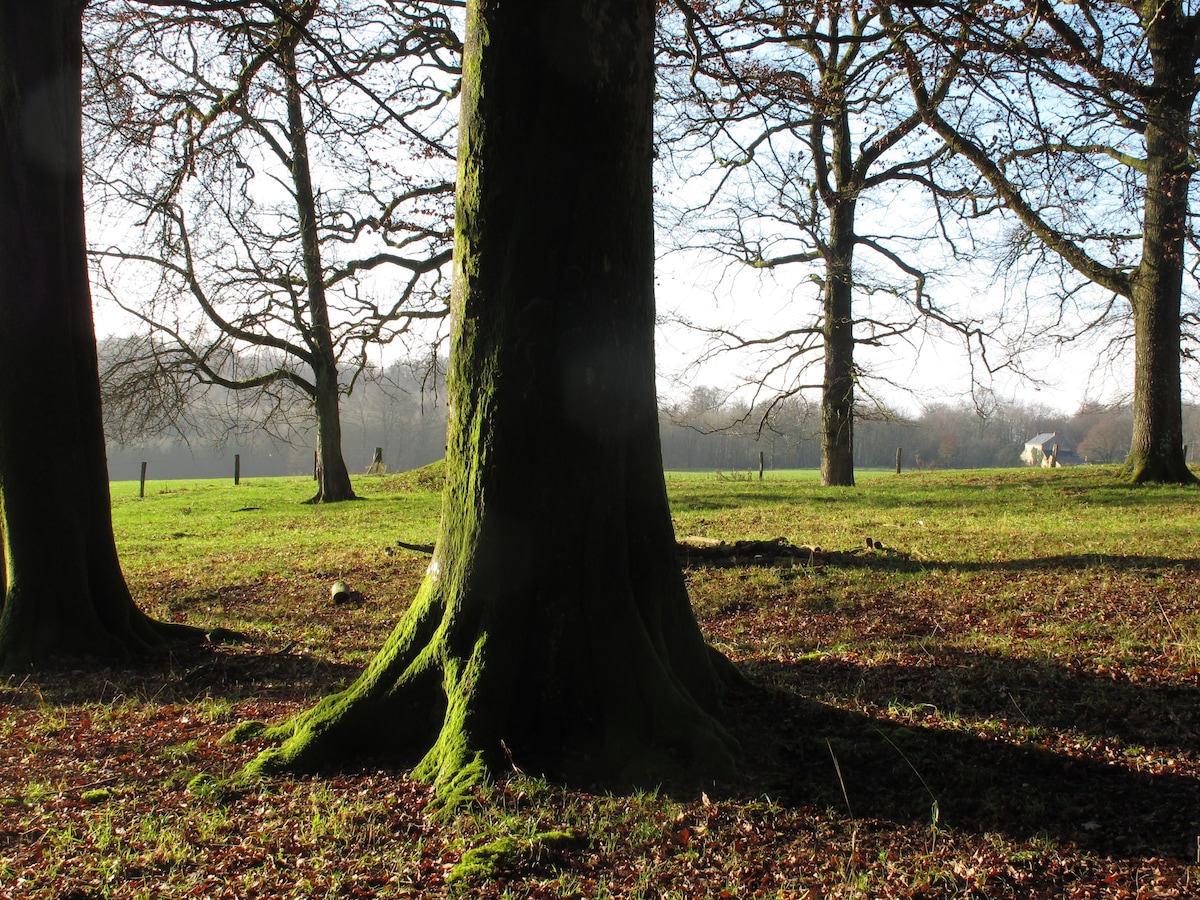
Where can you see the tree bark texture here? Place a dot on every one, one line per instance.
(1156, 452)
(333, 477)
(65, 594)
(553, 629)
(837, 393)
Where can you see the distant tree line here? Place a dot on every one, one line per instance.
(708, 432)
(401, 410)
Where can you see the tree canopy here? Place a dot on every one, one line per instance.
(802, 119)
(881, 154)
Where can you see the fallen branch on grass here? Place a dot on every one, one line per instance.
(709, 551)
(416, 548)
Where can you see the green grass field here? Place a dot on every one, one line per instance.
(1003, 701)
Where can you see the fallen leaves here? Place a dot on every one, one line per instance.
(1052, 714)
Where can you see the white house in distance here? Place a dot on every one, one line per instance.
(1046, 450)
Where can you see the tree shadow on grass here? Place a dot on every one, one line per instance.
(282, 675)
(232, 673)
(897, 560)
(1023, 693)
(1073, 562)
(803, 752)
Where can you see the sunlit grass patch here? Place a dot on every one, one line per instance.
(1023, 652)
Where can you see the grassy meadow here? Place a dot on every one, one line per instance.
(1000, 697)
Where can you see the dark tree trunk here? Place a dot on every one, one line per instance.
(1156, 452)
(839, 187)
(333, 478)
(837, 395)
(65, 595)
(553, 623)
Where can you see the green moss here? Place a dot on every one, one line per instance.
(452, 765)
(392, 704)
(97, 796)
(455, 783)
(507, 854)
(244, 731)
(486, 862)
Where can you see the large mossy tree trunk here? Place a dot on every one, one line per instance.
(65, 596)
(553, 628)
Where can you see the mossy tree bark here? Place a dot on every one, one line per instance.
(65, 596)
(553, 628)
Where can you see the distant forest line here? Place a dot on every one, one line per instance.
(402, 411)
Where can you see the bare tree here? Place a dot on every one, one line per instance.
(1108, 440)
(1079, 116)
(805, 115)
(276, 181)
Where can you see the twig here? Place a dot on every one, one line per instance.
(1167, 619)
(1018, 706)
(841, 781)
(935, 813)
(419, 548)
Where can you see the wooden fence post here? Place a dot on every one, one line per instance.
(898, 460)
(237, 468)
(761, 465)
(142, 483)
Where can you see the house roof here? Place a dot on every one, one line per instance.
(1041, 439)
